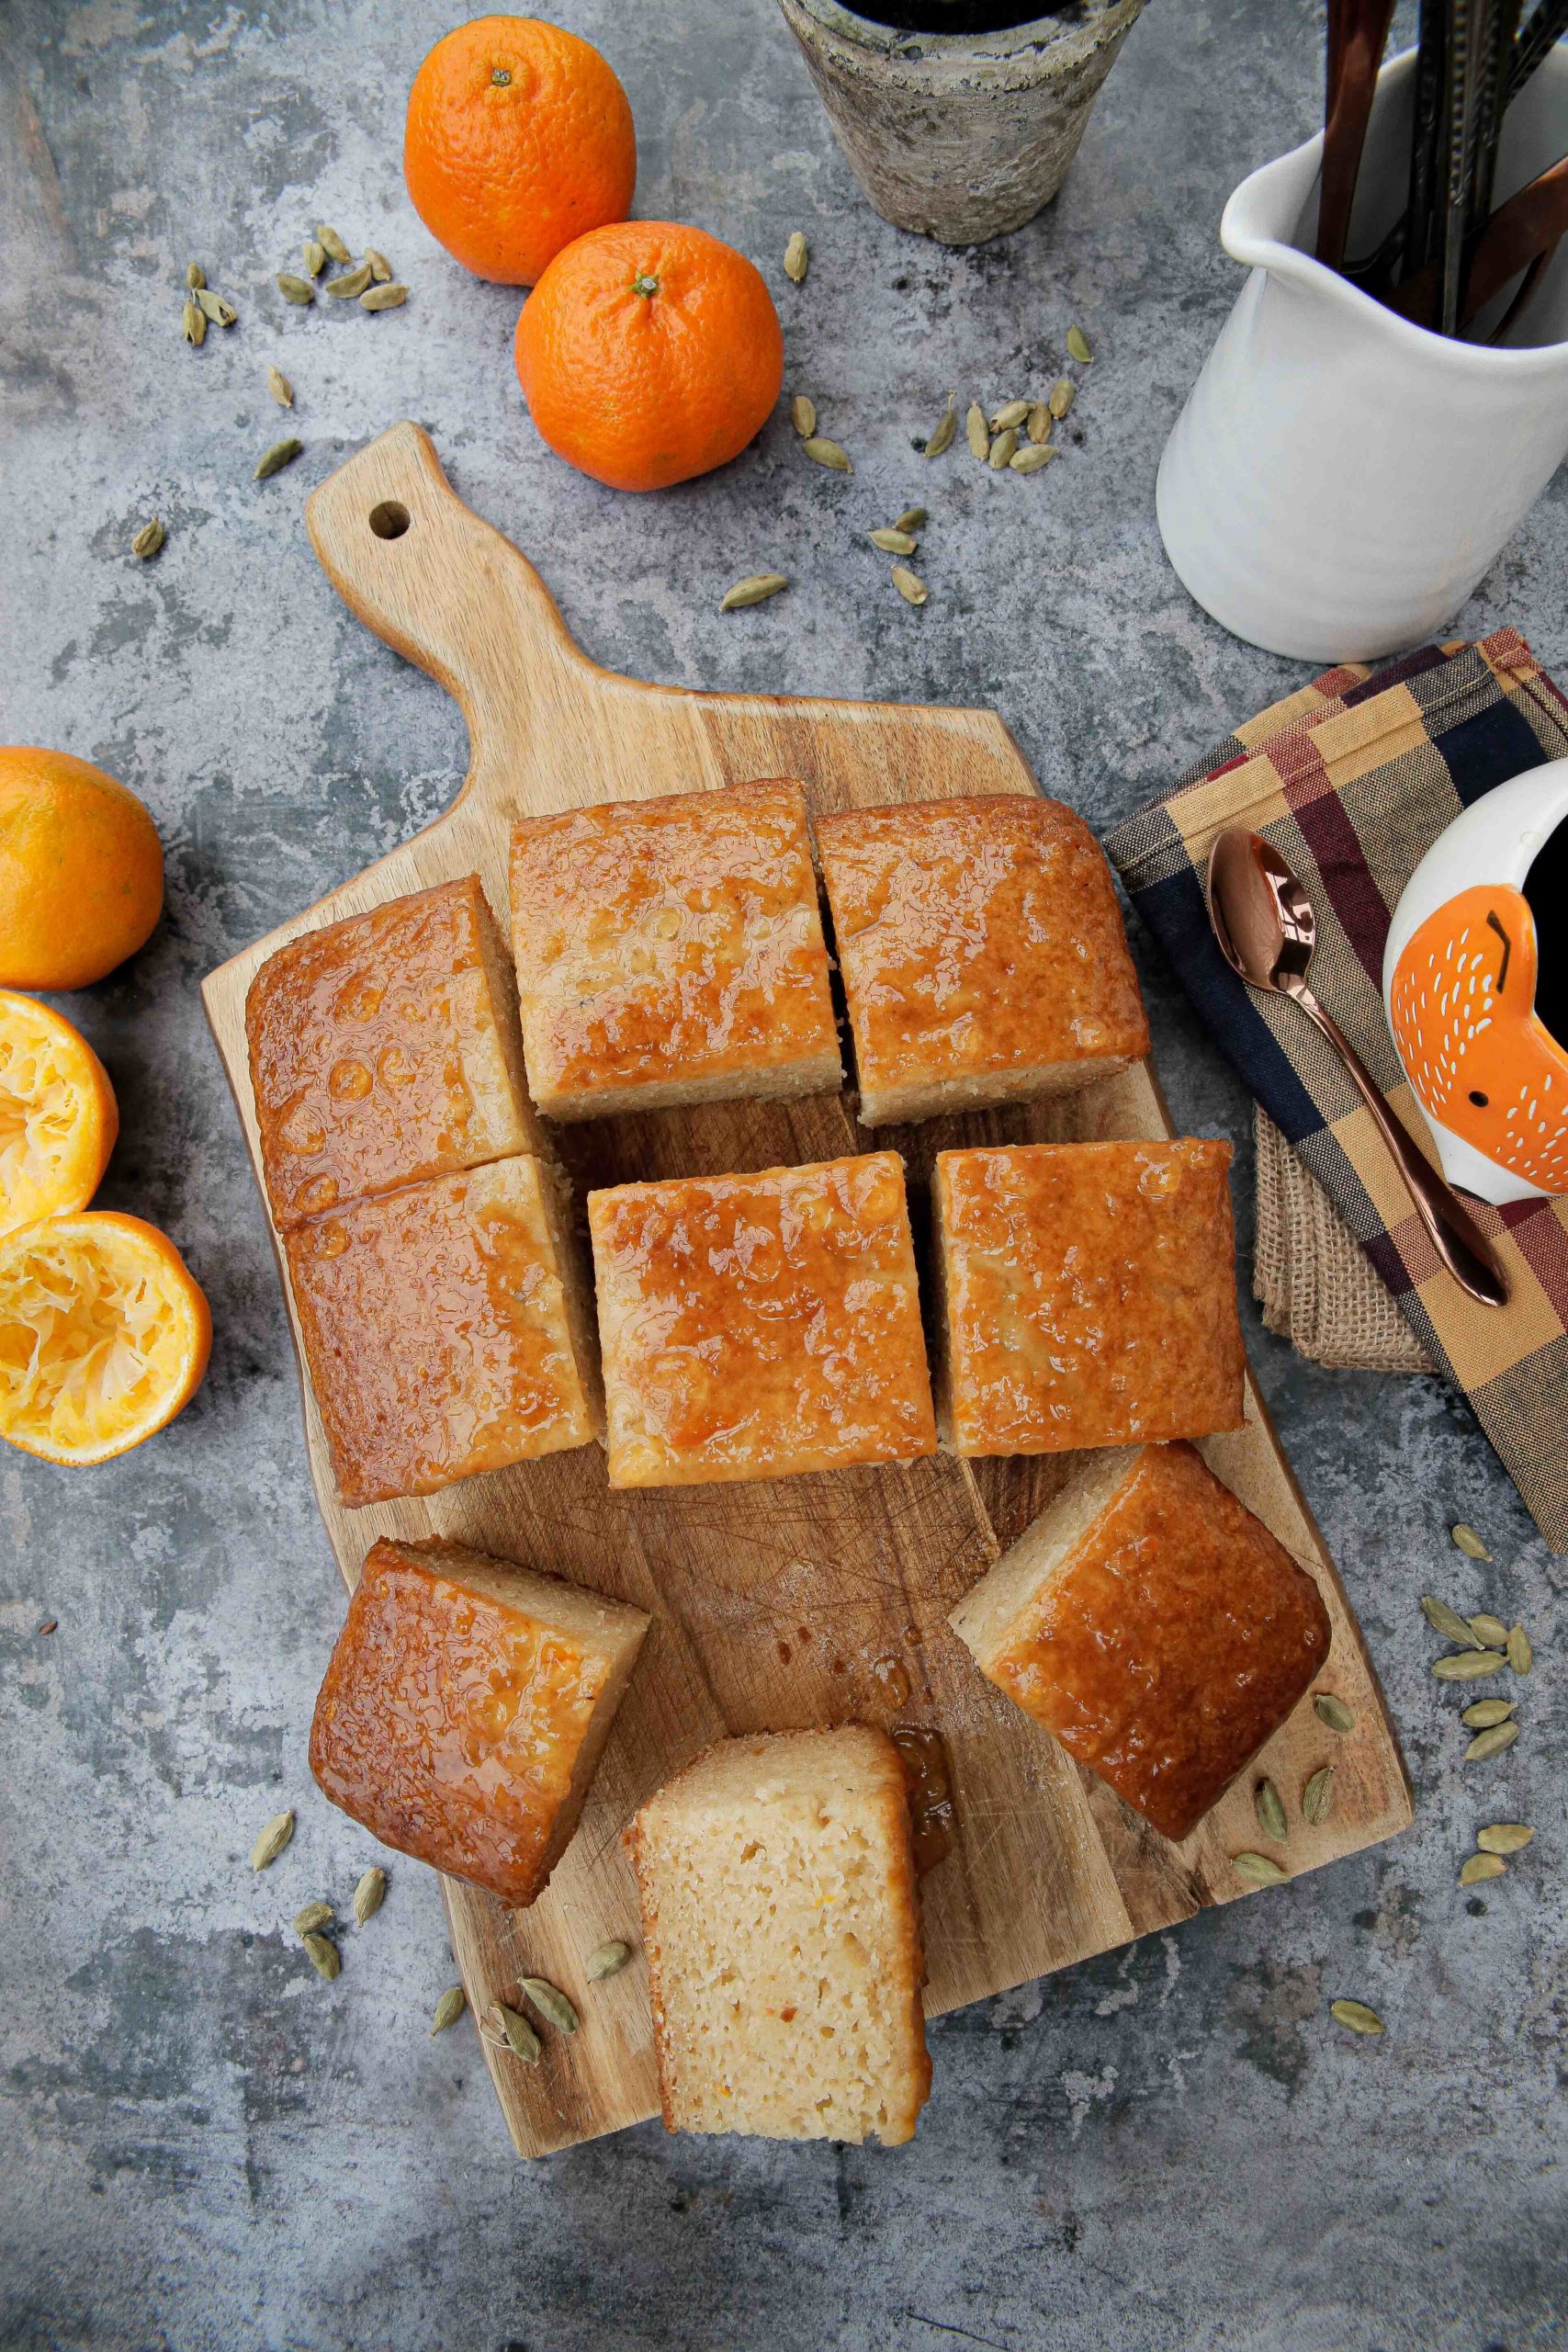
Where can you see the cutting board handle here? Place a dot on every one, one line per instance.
(425, 572)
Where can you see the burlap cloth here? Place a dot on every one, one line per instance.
(1312, 1274)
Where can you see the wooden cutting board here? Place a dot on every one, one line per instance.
(802, 1600)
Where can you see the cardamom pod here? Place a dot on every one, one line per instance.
(222, 313)
(909, 586)
(331, 242)
(272, 1840)
(797, 258)
(894, 541)
(1489, 1633)
(369, 1895)
(756, 590)
(822, 452)
(608, 1959)
(323, 1955)
(1003, 450)
(913, 518)
(349, 288)
(550, 2002)
(281, 388)
(1505, 1837)
(1332, 1711)
(1449, 1623)
(1467, 1665)
(1356, 2016)
(1491, 1742)
(803, 415)
(294, 289)
(1521, 1657)
(975, 426)
(1270, 1807)
(1040, 422)
(1032, 456)
(1469, 1542)
(195, 321)
(1487, 1712)
(273, 460)
(1061, 396)
(1259, 1869)
(196, 277)
(1078, 346)
(383, 298)
(380, 267)
(1317, 1797)
(1482, 1866)
(448, 2009)
(314, 1916)
(521, 2038)
(149, 539)
(1010, 412)
(940, 439)
(315, 257)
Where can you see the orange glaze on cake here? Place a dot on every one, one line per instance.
(439, 1331)
(756, 1326)
(1089, 1295)
(671, 944)
(385, 1049)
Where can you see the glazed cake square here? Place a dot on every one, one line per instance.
(983, 955)
(757, 1326)
(671, 951)
(465, 1707)
(1154, 1626)
(385, 1049)
(446, 1328)
(783, 1935)
(1088, 1295)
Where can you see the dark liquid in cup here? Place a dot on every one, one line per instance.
(954, 16)
(1546, 889)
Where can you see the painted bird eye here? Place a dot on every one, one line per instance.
(1480, 1101)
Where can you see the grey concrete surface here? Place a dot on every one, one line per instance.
(201, 2145)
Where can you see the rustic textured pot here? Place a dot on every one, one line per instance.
(961, 137)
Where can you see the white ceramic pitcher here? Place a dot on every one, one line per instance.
(1339, 479)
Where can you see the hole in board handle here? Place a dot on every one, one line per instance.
(389, 520)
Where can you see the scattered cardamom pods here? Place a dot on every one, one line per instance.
(1259, 1869)
(797, 258)
(1467, 1665)
(1061, 396)
(323, 1955)
(1489, 1633)
(1482, 1866)
(550, 2002)
(1332, 1711)
(315, 257)
(946, 426)
(521, 2038)
(448, 2009)
(1505, 1837)
(222, 313)
(803, 415)
(1003, 450)
(754, 591)
(1010, 412)
(1078, 346)
(1317, 1797)
(909, 586)
(1468, 1542)
(913, 518)
(1270, 1807)
(314, 1916)
(607, 1960)
(351, 286)
(369, 1895)
(1491, 1742)
(1032, 456)
(893, 541)
(272, 1841)
(294, 289)
(272, 461)
(1039, 422)
(332, 244)
(1521, 1657)
(822, 452)
(1356, 2016)
(383, 298)
(281, 388)
(979, 437)
(149, 539)
(195, 319)
(1486, 1712)
(196, 277)
(380, 267)
(1449, 1623)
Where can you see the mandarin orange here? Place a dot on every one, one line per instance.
(518, 139)
(648, 353)
(81, 870)
(58, 1117)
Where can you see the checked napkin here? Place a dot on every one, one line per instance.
(1352, 779)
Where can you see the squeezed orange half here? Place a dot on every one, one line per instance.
(58, 1119)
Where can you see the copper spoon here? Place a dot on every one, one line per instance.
(1267, 930)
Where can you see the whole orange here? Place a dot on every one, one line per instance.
(81, 870)
(519, 137)
(648, 353)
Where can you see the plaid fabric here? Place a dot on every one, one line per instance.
(1352, 779)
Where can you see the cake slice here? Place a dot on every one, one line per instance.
(783, 1937)
(465, 1708)
(671, 951)
(1151, 1622)
(386, 1049)
(982, 951)
(447, 1329)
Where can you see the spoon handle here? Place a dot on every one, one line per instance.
(1457, 1238)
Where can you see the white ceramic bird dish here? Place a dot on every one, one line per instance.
(1476, 992)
